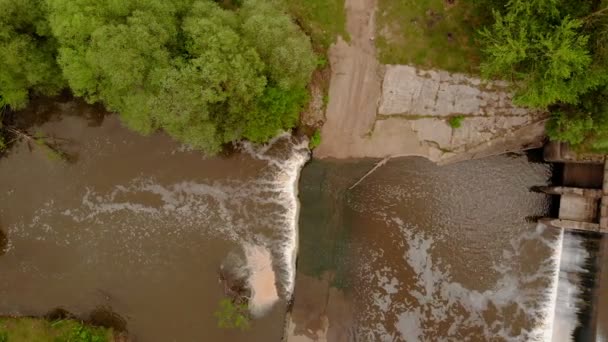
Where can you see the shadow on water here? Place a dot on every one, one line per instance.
(23, 124)
(3, 242)
(45, 109)
(585, 331)
(105, 317)
(58, 314)
(101, 317)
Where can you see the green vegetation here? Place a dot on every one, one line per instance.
(325, 100)
(315, 140)
(27, 62)
(40, 330)
(429, 33)
(323, 20)
(455, 121)
(556, 55)
(49, 148)
(231, 315)
(205, 73)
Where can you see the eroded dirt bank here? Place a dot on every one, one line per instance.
(381, 111)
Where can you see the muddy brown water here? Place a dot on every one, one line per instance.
(134, 229)
(132, 232)
(427, 253)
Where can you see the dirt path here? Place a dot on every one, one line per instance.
(355, 87)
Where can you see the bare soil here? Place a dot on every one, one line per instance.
(355, 83)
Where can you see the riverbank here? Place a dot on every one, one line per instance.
(381, 111)
(16, 329)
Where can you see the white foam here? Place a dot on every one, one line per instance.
(567, 300)
(550, 317)
(437, 298)
(288, 174)
(260, 211)
(408, 325)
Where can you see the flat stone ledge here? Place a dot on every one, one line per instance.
(410, 91)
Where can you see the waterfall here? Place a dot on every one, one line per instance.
(286, 175)
(571, 258)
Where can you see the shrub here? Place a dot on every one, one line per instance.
(232, 315)
(456, 121)
(315, 140)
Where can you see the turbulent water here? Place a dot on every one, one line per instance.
(140, 226)
(142, 230)
(427, 253)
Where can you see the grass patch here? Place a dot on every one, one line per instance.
(456, 121)
(40, 330)
(322, 20)
(429, 33)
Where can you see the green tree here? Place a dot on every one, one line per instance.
(287, 53)
(542, 50)
(115, 52)
(205, 74)
(285, 50)
(206, 98)
(555, 52)
(27, 56)
(585, 125)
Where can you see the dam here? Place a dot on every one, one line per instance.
(582, 219)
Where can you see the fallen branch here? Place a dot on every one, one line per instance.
(378, 164)
(41, 141)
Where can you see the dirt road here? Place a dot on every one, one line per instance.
(354, 92)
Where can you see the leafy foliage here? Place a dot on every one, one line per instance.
(315, 140)
(584, 125)
(27, 62)
(545, 53)
(82, 333)
(206, 73)
(556, 54)
(232, 315)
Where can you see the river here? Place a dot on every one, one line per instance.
(135, 231)
(417, 252)
(140, 226)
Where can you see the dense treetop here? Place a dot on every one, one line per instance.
(556, 54)
(27, 54)
(203, 73)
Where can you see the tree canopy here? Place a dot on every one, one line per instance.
(203, 73)
(555, 53)
(27, 56)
